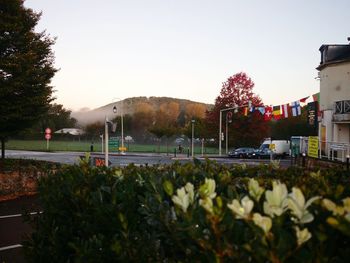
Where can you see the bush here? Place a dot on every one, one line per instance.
(200, 212)
(19, 177)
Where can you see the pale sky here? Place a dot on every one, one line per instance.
(186, 48)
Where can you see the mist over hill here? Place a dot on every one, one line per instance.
(129, 106)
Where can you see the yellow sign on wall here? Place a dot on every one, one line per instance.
(312, 149)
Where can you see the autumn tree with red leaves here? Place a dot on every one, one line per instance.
(248, 130)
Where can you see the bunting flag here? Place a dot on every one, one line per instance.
(316, 96)
(245, 111)
(282, 111)
(276, 112)
(296, 109)
(303, 100)
(268, 113)
(261, 110)
(285, 110)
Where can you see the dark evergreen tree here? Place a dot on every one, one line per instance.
(26, 69)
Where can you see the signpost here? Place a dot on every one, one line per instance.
(113, 143)
(47, 137)
(312, 149)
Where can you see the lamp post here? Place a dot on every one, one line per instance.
(106, 136)
(192, 141)
(235, 108)
(228, 120)
(122, 125)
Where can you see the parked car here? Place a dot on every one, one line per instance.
(263, 153)
(243, 152)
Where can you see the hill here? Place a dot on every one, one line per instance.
(130, 106)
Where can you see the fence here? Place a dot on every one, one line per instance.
(334, 151)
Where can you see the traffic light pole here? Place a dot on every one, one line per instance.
(106, 142)
(220, 121)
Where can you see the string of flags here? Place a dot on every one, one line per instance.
(287, 110)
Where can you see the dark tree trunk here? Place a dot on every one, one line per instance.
(2, 148)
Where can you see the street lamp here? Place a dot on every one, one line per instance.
(235, 108)
(192, 142)
(122, 123)
(228, 120)
(107, 122)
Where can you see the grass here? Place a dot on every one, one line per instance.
(84, 146)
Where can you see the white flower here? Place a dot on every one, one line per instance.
(296, 203)
(207, 190)
(181, 199)
(275, 203)
(332, 207)
(207, 204)
(190, 190)
(346, 202)
(264, 222)
(302, 235)
(255, 190)
(243, 209)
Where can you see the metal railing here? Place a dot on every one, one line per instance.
(335, 151)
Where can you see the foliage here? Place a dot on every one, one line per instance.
(243, 130)
(197, 212)
(56, 118)
(26, 69)
(19, 177)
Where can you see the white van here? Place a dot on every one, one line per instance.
(281, 148)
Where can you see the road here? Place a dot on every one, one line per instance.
(12, 227)
(135, 158)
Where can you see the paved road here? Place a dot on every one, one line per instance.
(136, 158)
(12, 228)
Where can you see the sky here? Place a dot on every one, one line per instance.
(112, 49)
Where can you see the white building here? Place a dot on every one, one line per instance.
(334, 74)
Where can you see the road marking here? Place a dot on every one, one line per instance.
(10, 247)
(19, 215)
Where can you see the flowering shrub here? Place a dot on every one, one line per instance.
(201, 212)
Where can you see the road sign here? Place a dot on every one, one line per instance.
(113, 143)
(47, 130)
(312, 150)
(47, 136)
(122, 149)
(100, 161)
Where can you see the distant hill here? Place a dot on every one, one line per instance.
(129, 106)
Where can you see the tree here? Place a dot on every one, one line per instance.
(142, 120)
(165, 121)
(293, 126)
(57, 118)
(248, 130)
(26, 69)
(94, 130)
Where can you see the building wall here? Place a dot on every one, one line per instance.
(342, 132)
(334, 84)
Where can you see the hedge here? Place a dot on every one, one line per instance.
(197, 212)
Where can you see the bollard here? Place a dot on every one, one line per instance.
(92, 147)
(304, 159)
(347, 162)
(188, 152)
(174, 152)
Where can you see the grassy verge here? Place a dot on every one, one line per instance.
(84, 146)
